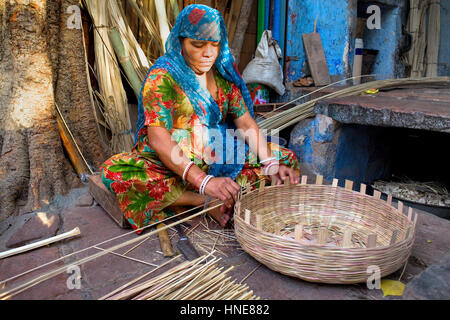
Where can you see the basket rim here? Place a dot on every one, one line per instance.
(411, 223)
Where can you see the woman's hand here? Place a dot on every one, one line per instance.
(224, 189)
(279, 173)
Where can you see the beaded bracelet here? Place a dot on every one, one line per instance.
(204, 183)
(189, 165)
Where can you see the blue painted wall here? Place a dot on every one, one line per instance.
(333, 25)
(386, 40)
(336, 23)
(343, 151)
(444, 51)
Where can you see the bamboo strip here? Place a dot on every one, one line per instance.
(292, 116)
(348, 184)
(72, 233)
(138, 278)
(101, 243)
(129, 258)
(57, 271)
(350, 219)
(335, 182)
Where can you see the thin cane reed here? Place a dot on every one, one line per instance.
(200, 279)
(305, 110)
(323, 233)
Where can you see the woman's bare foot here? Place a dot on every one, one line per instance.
(220, 214)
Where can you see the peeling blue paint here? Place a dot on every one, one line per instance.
(301, 141)
(353, 152)
(322, 133)
(332, 24)
(336, 23)
(386, 40)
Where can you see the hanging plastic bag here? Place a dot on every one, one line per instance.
(265, 68)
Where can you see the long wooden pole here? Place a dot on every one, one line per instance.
(38, 244)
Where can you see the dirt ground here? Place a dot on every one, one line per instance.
(108, 272)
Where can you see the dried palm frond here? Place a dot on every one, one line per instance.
(109, 79)
(151, 42)
(117, 19)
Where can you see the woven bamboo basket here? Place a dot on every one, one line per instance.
(324, 233)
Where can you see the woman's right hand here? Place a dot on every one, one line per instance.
(224, 189)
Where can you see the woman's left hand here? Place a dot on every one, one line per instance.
(281, 172)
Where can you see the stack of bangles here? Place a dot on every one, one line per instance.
(203, 175)
(267, 163)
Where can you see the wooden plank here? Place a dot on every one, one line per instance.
(241, 28)
(106, 200)
(233, 18)
(316, 58)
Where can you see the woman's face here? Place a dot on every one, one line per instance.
(200, 55)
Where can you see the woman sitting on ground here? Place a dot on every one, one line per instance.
(184, 151)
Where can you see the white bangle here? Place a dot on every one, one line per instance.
(268, 166)
(189, 165)
(204, 183)
(268, 159)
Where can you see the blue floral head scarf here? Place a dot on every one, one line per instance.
(201, 22)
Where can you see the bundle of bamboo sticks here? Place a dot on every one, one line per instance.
(138, 58)
(200, 279)
(423, 56)
(112, 93)
(302, 111)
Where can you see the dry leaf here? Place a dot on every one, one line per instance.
(392, 288)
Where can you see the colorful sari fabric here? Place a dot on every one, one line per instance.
(201, 22)
(145, 188)
(171, 97)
